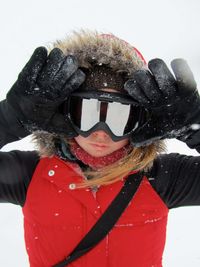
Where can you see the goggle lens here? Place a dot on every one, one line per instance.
(120, 118)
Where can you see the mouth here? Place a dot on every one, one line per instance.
(97, 145)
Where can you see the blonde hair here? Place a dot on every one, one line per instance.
(137, 160)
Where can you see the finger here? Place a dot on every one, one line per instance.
(54, 62)
(149, 86)
(69, 66)
(134, 90)
(60, 125)
(73, 83)
(34, 65)
(146, 135)
(183, 74)
(164, 78)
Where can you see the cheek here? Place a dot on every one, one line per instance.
(80, 140)
(121, 143)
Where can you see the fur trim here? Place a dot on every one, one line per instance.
(45, 143)
(95, 48)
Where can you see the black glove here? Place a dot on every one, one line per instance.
(173, 102)
(42, 86)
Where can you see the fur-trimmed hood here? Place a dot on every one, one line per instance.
(95, 48)
(92, 48)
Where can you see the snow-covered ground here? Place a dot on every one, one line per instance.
(165, 29)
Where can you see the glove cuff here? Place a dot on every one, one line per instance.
(11, 123)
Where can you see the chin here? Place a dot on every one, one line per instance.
(99, 154)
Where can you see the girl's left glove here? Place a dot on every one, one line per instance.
(173, 102)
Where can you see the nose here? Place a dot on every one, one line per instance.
(100, 134)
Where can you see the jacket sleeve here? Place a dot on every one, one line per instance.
(10, 128)
(16, 167)
(16, 171)
(176, 178)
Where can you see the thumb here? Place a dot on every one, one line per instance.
(146, 135)
(61, 125)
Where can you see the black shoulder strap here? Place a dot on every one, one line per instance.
(106, 221)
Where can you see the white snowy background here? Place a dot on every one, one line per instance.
(158, 28)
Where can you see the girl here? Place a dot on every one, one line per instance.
(99, 115)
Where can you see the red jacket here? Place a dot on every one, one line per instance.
(57, 216)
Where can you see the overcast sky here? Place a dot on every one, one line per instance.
(158, 28)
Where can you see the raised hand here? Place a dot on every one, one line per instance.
(172, 100)
(41, 87)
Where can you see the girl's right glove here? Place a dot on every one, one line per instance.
(173, 101)
(41, 87)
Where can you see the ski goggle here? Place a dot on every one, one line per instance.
(116, 114)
